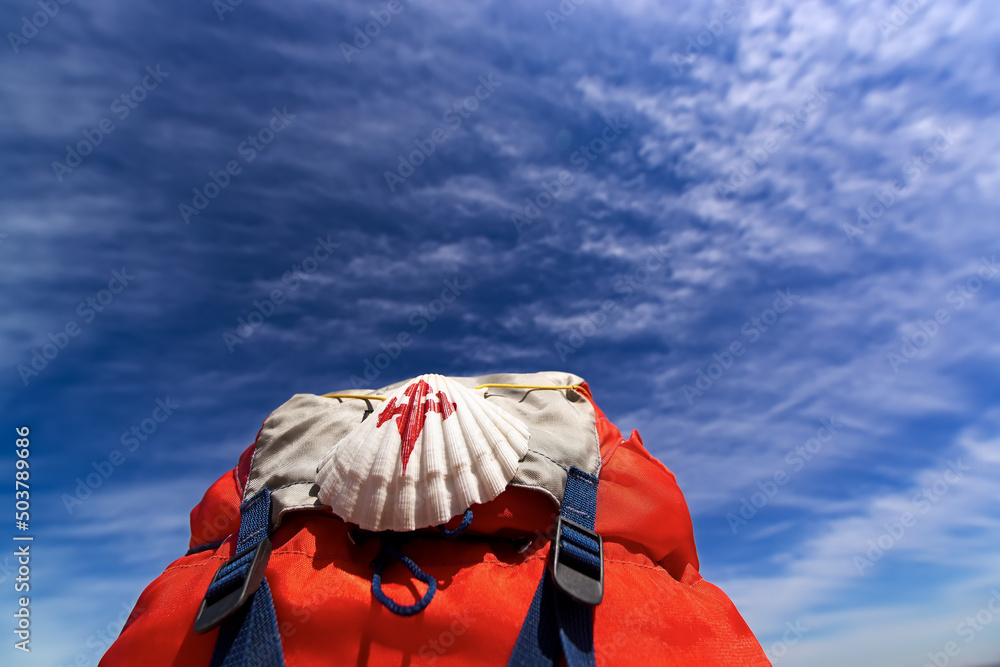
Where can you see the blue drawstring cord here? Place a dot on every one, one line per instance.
(466, 520)
(389, 549)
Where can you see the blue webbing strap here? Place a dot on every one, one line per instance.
(538, 642)
(556, 622)
(249, 636)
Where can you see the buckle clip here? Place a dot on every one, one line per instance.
(580, 585)
(211, 614)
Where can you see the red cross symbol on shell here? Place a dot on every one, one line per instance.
(433, 449)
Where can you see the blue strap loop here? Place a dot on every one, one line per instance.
(580, 550)
(239, 599)
(236, 573)
(239, 578)
(560, 620)
(388, 549)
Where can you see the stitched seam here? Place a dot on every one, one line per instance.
(285, 486)
(253, 459)
(530, 484)
(337, 558)
(628, 562)
(251, 536)
(236, 479)
(203, 564)
(549, 458)
(597, 443)
(496, 563)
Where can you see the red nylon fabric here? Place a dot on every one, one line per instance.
(656, 605)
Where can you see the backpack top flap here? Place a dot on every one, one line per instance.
(297, 435)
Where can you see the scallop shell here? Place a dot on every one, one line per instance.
(434, 449)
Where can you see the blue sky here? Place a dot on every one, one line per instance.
(763, 231)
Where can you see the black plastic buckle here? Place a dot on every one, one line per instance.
(212, 614)
(581, 586)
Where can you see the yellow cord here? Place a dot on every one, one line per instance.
(376, 398)
(574, 387)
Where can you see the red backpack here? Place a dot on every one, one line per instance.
(576, 545)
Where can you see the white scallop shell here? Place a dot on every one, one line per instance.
(465, 450)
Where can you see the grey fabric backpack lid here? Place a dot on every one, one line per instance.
(297, 435)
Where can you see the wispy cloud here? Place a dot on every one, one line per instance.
(801, 112)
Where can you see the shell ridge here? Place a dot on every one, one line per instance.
(435, 448)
